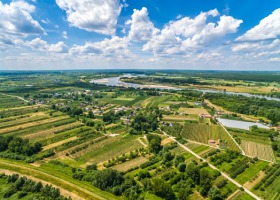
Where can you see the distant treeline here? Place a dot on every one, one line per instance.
(229, 75)
(247, 105)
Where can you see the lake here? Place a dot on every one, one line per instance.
(240, 124)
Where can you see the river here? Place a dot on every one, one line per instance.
(116, 81)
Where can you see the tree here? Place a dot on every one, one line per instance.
(178, 159)
(90, 114)
(205, 182)
(143, 174)
(162, 189)
(182, 167)
(215, 194)
(107, 179)
(183, 193)
(193, 172)
(91, 167)
(154, 143)
(155, 146)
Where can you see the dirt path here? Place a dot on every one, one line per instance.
(250, 184)
(145, 145)
(63, 192)
(18, 97)
(59, 143)
(243, 152)
(233, 194)
(213, 167)
(57, 182)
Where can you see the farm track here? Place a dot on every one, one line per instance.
(18, 97)
(71, 186)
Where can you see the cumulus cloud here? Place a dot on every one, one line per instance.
(188, 34)
(98, 16)
(42, 45)
(255, 46)
(141, 28)
(16, 19)
(268, 28)
(114, 47)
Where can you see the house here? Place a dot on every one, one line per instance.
(205, 116)
(211, 142)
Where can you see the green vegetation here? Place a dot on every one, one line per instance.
(247, 105)
(105, 142)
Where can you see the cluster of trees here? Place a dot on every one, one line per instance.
(154, 143)
(23, 186)
(227, 156)
(19, 146)
(247, 105)
(112, 117)
(72, 111)
(173, 184)
(146, 121)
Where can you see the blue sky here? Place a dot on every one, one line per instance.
(144, 34)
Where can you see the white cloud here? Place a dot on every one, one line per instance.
(255, 46)
(98, 16)
(15, 18)
(45, 21)
(189, 34)
(115, 47)
(42, 45)
(141, 28)
(64, 35)
(268, 28)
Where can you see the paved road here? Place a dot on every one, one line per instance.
(213, 167)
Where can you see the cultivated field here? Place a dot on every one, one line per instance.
(193, 111)
(129, 164)
(203, 133)
(178, 118)
(254, 149)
